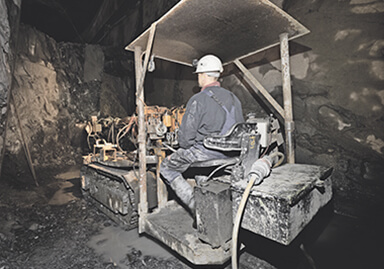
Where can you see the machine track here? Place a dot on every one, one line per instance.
(113, 191)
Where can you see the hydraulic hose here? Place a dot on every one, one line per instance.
(281, 159)
(169, 147)
(236, 226)
(258, 172)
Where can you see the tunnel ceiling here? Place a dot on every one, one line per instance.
(71, 20)
(64, 20)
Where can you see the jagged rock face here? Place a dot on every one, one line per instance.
(9, 17)
(340, 94)
(57, 87)
(338, 98)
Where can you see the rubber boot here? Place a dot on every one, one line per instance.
(184, 191)
(186, 194)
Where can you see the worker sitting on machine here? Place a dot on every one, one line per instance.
(214, 110)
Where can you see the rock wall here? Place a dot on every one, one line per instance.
(338, 96)
(9, 23)
(57, 87)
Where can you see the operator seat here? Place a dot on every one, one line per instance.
(236, 140)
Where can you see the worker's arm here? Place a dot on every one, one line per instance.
(239, 110)
(189, 125)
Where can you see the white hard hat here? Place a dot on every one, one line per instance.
(209, 64)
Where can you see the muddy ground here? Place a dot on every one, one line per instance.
(52, 226)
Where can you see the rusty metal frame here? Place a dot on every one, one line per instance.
(287, 97)
(162, 192)
(140, 72)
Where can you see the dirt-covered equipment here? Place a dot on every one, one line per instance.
(246, 190)
(110, 172)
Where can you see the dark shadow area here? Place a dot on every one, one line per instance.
(75, 190)
(331, 241)
(349, 242)
(290, 256)
(64, 20)
(173, 71)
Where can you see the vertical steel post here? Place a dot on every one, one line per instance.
(287, 96)
(162, 193)
(143, 206)
(140, 71)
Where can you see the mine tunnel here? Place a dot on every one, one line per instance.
(92, 96)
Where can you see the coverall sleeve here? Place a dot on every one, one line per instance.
(189, 125)
(239, 112)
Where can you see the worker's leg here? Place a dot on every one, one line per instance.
(184, 191)
(178, 162)
(172, 168)
(174, 165)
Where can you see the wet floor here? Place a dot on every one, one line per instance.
(335, 241)
(113, 243)
(348, 242)
(330, 241)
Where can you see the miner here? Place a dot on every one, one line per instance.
(214, 110)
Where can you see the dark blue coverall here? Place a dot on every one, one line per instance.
(204, 116)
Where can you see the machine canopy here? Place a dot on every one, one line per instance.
(226, 28)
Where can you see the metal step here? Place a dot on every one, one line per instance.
(172, 225)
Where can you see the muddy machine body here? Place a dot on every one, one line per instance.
(277, 205)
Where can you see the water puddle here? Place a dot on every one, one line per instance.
(65, 194)
(114, 243)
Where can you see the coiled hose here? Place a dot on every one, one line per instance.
(253, 178)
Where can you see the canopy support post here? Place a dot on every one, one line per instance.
(287, 97)
(140, 71)
(143, 205)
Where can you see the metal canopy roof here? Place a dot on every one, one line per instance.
(227, 28)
